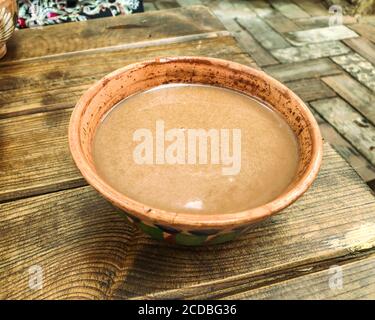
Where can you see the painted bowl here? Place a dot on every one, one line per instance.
(192, 228)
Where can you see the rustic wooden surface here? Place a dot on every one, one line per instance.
(50, 218)
(87, 250)
(292, 38)
(359, 275)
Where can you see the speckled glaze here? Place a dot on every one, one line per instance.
(190, 228)
(11, 7)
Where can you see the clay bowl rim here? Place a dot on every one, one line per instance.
(194, 220)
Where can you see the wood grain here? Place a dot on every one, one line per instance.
(353, 92)
(34, 155)
(345, 149)
(289, 9)
(87, 250)
(261, 8)
(248, 43)
(228, 13)
(310, 51)
(189, 2)
(280, 23)
(363, 47)
(263, 33)
(239, 8)
(109, 32)
(166, 4)
(313, 8)
(334, 33)
(350, 124)
(302, 70)
(359, 68)
(366, 30)
(310, 89)
(260, 56)
(59, 81)
(321, 22)
(149, 6)
(370, 19)
(358, 283)
(230, 9)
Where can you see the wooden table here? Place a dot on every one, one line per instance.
(52, 221)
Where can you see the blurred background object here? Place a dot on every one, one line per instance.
(353, 7)
(8, 13)
(33, 13)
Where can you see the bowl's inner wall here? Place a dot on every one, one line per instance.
(148, 75)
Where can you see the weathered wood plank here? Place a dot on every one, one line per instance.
(243, 6)
(302, 70)
(313, 8)
(36, 146)
(353, 92)
(346, 150)
(87, 250)
(358, 282)
(310, 89)
(262, 32)
(109, 32)
(189, 2)
(359, 68)
(310, 51)
(227, 11)
(230, 9)
(289, 9)
(80, 244)
(334, 33)
(350, 124)
(366, 30)
(257, 53)
(321, 22)
(57, 82)
(248, 43)
(363, 47)
(280, 23)
(149, 6)
(166, 4)
(261, 8)
(367, 19)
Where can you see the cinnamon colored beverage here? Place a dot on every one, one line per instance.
(196, 148)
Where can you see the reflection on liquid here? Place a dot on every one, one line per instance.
(195, 204)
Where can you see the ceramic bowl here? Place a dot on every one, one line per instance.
(193, 228)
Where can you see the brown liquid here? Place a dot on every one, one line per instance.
(268, 159)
